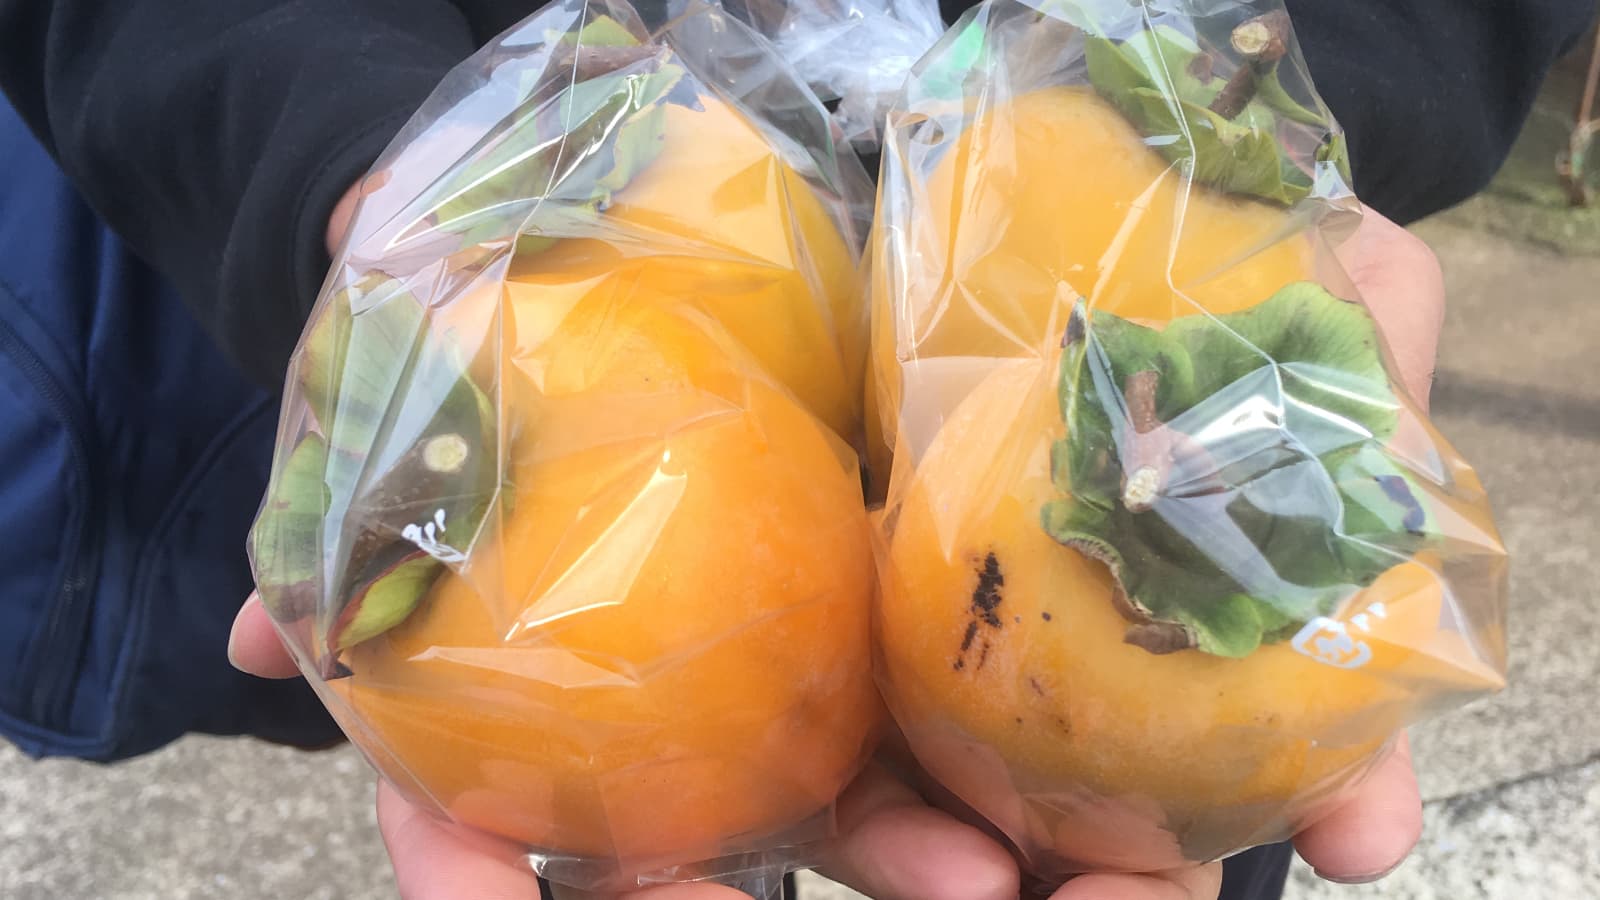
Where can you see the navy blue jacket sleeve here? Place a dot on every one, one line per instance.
(1432, 93)
(216, 137)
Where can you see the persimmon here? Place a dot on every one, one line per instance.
(658, 647)
(1005, 664)
(721, 220)
(1055, 188)
(1139, 606)
(574, 532)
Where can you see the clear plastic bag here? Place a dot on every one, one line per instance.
(1168, 555)
(565, 523)
(855, 54)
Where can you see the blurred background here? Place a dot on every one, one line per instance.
(1512, 784)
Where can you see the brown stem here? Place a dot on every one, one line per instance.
(1161, 638)
(1140, 392)
(1570, 166)
(592, 62)
(1261, 42)
(1150, 447)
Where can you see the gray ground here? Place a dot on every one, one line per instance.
(1513, 783)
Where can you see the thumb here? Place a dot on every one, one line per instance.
(254, 645)
(1400, 280)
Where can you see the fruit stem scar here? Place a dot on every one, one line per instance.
(1149, 451)
(1262, 41)
(1141, 490)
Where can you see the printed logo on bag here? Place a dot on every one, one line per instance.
(1328, 641)
(426, 537)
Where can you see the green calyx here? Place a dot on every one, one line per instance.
(284, 544)
(395, 483)
(1228, 132)
(1230, 470)
(592, 122)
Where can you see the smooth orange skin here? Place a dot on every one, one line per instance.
(719, 220)
(658, 650)
(663, 648)
(1046, 198)
(1090, 753)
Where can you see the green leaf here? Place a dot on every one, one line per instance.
(573, 150)
(1231, 627)
(285, 541)
(1381, 498)
(1270, 91)
(1323, 353)
(1162, 81)
(1335, 151)
(1276, 499)
(602, 31)
(1228, 155)
(411, 440)
(354, 359)
(1115, 73)
(385, 602)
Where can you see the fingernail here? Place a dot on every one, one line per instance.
(1358, 879)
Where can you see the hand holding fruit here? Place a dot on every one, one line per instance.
(894, 846)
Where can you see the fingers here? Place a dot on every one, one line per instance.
(686, 891)
(893, 846)
(1194, 883)
(345, 209)
(435, 861)
(254, 645)
(1399, 277)
(1369, 836)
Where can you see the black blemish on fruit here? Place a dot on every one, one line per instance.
(1037, 687)
(1047, 616)
(985, 609)
(986, 596)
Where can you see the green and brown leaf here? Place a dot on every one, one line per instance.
(1165, 84)
(1230, 470)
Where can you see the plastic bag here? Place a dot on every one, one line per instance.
(565, 523)
(855, 54)
(1168, 555)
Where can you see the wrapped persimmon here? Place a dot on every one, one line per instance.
(566, 523)
(1169, 556)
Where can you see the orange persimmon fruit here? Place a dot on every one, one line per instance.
(1004, 660)
(662, 646)
(720, 220)
(657, 651)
